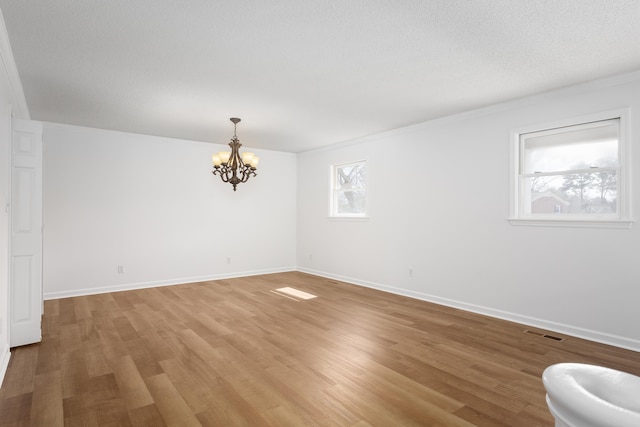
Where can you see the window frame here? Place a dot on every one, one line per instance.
(622, 217)
(333, 214)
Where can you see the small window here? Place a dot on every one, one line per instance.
(348, 190)
(572, 175)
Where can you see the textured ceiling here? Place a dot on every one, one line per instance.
(304, 73)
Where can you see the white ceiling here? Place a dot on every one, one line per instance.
(304, 73)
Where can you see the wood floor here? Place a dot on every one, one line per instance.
(233, 353)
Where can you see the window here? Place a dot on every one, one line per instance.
(572, 174)
(348, 190)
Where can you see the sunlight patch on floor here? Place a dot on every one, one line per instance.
(293, 293)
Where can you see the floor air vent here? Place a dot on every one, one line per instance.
(543, 335)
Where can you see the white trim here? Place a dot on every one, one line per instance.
(588, 334)
(570, 172)
(5, 312)
(622, 113)
(153, 138)
(348, 218)
(4, 363)
(474, 113)
(574, 331)
(159, 283)
(542, 222)
(18, 99)
(332, 191)
(623, 218)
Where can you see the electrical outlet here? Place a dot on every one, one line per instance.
(228, 260)
(310, 257)
(410, 272)
(121, 269)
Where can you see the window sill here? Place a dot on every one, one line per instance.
(349, 218)
(580, 223)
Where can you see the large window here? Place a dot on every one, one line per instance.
(573, 174)
(349, 190)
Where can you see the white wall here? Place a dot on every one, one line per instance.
(152, 205)
(438, 203)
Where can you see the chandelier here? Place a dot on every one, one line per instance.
(231, 166)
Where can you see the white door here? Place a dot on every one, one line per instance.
(26, 233)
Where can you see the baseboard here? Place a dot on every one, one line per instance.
(154, 284)
(4, 363)
(591, 335)
(588, 334)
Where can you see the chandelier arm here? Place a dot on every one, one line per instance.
(247, 173)
(243, 177)
(223, 171)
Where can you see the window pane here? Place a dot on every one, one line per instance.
(350, 202)
(585, 193)
(562, 150)
(350, 177)
(349, 189)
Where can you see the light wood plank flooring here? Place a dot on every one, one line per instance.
(233, 353)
